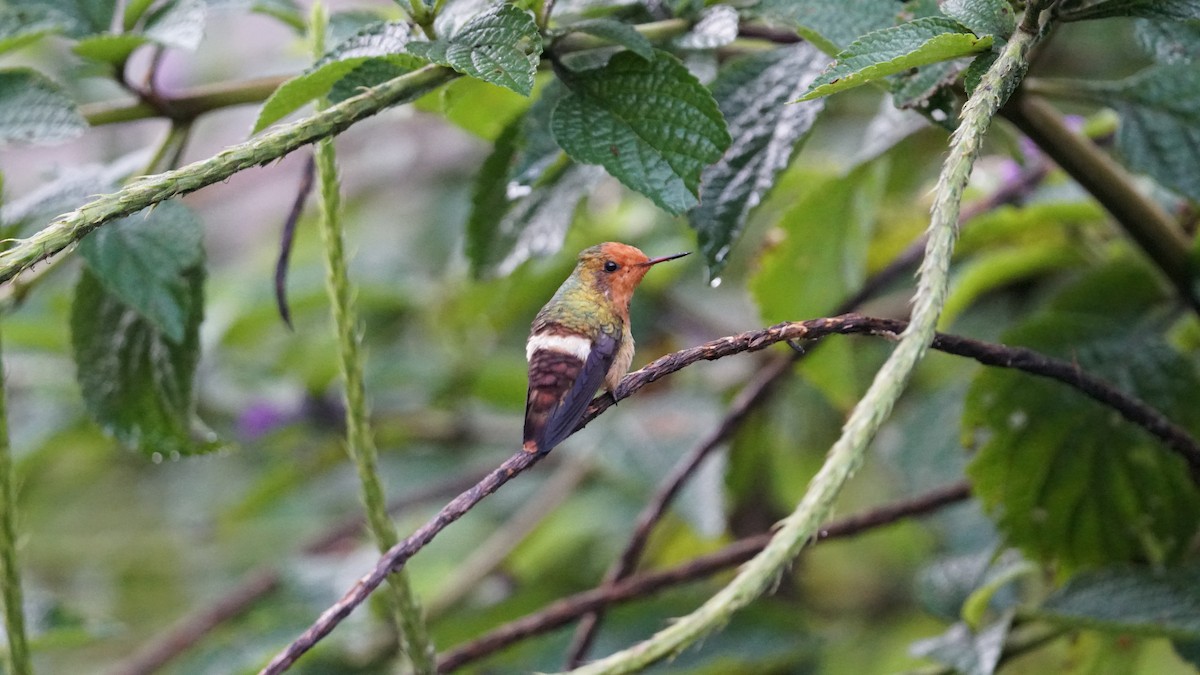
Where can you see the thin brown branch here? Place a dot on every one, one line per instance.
(259, 583)
(564, 611)
(747, 400)
(1132, 409)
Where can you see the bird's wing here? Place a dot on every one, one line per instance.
(560, 387)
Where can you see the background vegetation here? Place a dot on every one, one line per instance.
(177, 492)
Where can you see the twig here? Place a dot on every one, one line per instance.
(288, 236)
(567, 609)
(258, 583)
(1143, 220)
(1023, 359)
(747, 400)
(493, 550)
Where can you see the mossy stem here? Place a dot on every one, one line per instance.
(16, 658)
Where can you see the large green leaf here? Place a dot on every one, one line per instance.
(1066, 478)
(501, 46)
(753, 93)
(831, 26)
(109, 48)
(895, 50)
(651, 124)
(1160, 124)
(20, 26)
(1137, 600)
(378, 44)
(77, 18)
(823, 257)
(142, 260)
(1079, 10)
(983, 17)
(35, 110)
(1169, 41)
(136, 382)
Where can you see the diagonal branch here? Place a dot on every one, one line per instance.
(1177, 439)
(631, 588)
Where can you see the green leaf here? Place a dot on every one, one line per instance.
(1159, 132)
(179, 24)
(286, 11)
(717, 27)
(1066, 478)
(1002, 267)
(831, 26)
(651, 124)
(1138, 600)
(966, 651)
(109, 48)
(20, 26)
(983, 17)
(134, 10)
(137, 383)
(142, 260)
(501, 46)
(895, 50)
(1081, 10)
(78, 18)
(823, 257)
(616, 32)
(35, 110)
(481, 108)
(752, 94)
(1169, 41)
(379, 43)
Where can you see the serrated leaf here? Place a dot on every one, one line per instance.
(137, 383)
(179, 24)
(382, 44)
(109, 48)
(823, 257)
(831, 26)
(982, 17)
(501, 46)
(616, 32)
(78, 18)
(35, 110)
(20, 26)
(651, 124)
(895, 50)
(717, 27)
(1066, 478)
(1081, 10)
(1159, 132)
(1169, 41)
(142, 259)
(1138, 600)
(752, 94)
(534, 224)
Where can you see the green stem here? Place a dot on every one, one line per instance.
(761, 574)
(1144, 220)
(188, 104)
(272, 145)
(17, 658)
(360, 444)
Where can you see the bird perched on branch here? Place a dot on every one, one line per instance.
(581, 340)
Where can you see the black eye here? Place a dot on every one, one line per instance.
(611, 266)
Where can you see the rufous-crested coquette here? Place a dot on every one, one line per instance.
(581, 341)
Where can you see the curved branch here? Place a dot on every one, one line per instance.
(1023, 359)
(642, 585)
(272, 145)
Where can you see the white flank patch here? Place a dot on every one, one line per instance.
(574, 345)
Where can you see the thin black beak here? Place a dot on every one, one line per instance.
(665, 258)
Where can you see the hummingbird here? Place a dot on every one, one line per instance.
(581, 341)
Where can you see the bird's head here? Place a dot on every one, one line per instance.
(615, 269)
